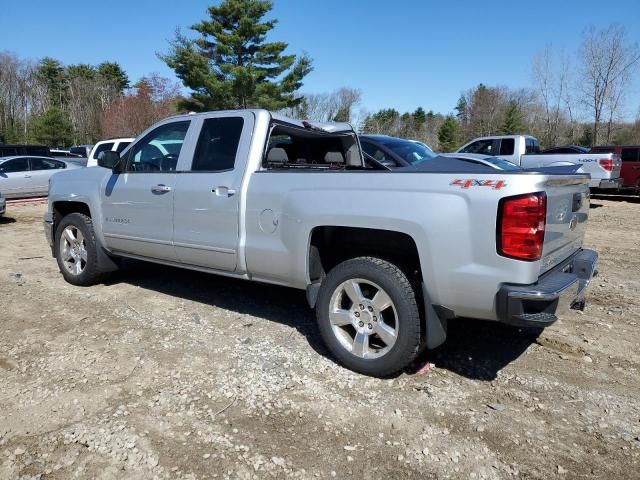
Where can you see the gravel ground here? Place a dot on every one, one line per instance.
(174, 374)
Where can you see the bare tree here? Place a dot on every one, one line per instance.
(338, 105)
(551, 77)
(152, 99)
(607, 63)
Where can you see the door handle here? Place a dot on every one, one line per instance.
(223, 191)
(27, 176)
(160, 189)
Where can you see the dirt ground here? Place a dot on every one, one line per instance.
(174, 374)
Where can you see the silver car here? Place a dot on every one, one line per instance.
(28, 176)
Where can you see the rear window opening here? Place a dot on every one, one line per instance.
(291, 147)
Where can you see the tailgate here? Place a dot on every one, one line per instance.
(602, 165)
(567, 213)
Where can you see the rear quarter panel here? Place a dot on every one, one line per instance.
(453, 227)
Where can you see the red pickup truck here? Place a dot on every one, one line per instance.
(630, 171)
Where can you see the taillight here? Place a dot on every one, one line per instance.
(521, 222)
(606, 163)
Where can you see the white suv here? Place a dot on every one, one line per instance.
(115, 144)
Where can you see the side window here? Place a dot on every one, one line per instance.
(159, 150)
(218, 144)
(531, 146)
(121, 146)
(375, 152)
(507, 146)
(16, 165)
(630, 154)
(102, 148)
(46, 164)
(484, 147)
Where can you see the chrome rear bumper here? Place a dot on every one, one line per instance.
(539, 304)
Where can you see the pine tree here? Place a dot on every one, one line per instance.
(513, 123)
(52, 73)
(419, 116)
(449, 134)
(231, 65)
(114, 74)
(462, 108)
(586, 138)
(81, 70)
(52, 128)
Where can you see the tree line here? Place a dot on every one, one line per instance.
(59, 105)
(227, 62)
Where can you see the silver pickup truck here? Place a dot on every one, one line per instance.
(387, 258)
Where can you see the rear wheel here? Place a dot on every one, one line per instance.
(368, 316)
(76, 250)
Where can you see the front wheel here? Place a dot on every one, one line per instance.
(77, 250)
(368, 316)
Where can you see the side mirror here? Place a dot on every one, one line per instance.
(109, 159)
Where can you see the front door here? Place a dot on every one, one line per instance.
(138, 203)
(15, 178)
(207, 198)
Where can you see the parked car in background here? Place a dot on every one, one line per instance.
(26, 176)
(69, 157)
(82, 150)
(12, 150)
(113, 144)
(55, 152)
(524, 150)
(630, 156)
(566, 149)
(395, 152)
(3, 204)
(386, 258)
(423, 144)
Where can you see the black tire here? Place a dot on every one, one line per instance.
(398, 287)
(91, 273)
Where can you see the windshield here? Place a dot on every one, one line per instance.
(412, 152)
(501, 163)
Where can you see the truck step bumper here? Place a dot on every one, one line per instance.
(609, 183)
(539, 304)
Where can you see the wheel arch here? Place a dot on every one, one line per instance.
(63, 208)
(330, 245)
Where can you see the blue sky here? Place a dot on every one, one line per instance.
(401, 54)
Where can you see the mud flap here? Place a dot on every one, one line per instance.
(435, 322)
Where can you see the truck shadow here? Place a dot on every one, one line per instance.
(474, 349)
(277, 304)
(478, 349)
(4, 220)
(616, 198)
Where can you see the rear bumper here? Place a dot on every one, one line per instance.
(606, 183)
(539, 304)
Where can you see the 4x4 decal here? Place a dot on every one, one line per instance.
(466, 183)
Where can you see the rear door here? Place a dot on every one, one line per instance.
(208, 195)
(41, 171)
(137, 204)
(630, 170)
(15, 177)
